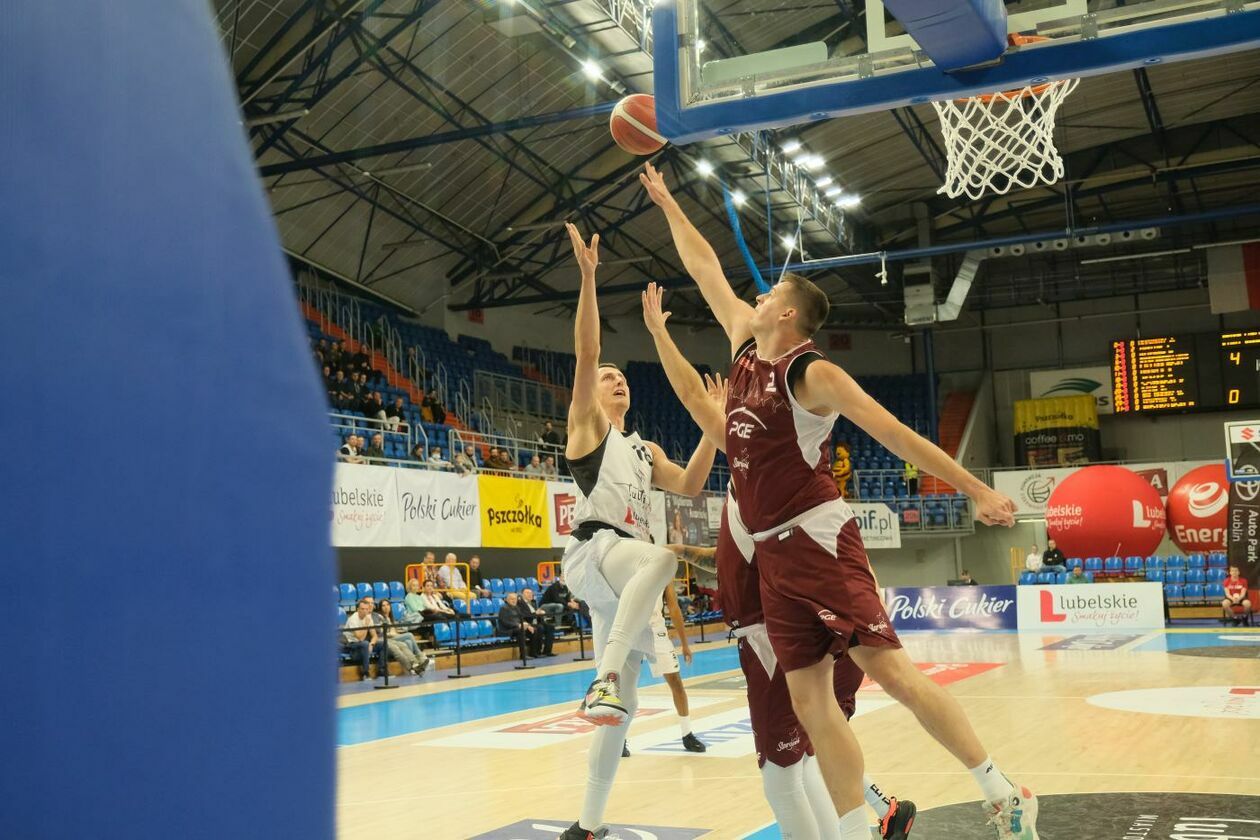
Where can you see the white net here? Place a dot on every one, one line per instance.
(996, 143)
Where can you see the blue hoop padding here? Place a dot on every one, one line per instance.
(174, 482)
(954, 34)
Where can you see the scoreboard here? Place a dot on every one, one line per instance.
(1189, 372)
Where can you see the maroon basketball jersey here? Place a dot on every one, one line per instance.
(739, 585)
(778, 451)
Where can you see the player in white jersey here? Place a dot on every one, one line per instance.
(610, 562)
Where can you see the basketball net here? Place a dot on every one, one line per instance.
(1000, 141)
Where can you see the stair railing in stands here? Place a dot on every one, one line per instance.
(439, 380)
(417, 361)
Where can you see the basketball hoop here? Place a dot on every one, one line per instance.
(999, 141)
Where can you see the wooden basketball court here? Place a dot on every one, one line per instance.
(500, 756)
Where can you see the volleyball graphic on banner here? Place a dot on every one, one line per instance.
(1198, 509)
(1105, 511)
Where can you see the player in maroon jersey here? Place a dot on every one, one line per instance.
(790, 776)
(817, 589)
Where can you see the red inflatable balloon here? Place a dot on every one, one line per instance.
(1198, 509)
(1103, 512)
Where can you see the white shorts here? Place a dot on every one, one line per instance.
(582, 574)
(665, 658)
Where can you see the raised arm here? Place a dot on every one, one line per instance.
(586, 422)
(685, 481)
(701, 261)
(825, 388)
(683, 378)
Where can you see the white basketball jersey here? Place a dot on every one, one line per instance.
(613, 485)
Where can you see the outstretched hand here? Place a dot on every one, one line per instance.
(715, 385)
(994, 508)
(654, 182)
(587, 256)
(653, 318)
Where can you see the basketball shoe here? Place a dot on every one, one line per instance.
(1014, 817)
(693, 744)
(900, 818)
(576, 832)
(602, 704)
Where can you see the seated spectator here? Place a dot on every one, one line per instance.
(466, 460)
(512, 623)
(1077, 576)
(550, 437)
(1035, 562)
(373, 407)
(449, 577)
(1053, 560)
(559, 596)
(402, 645)
(376, 451)
(345, 396)
(500, 460)
(549, 466)
(967, 579)
(475, 578)
(349, 451)
(435, 607)
(413, 602)
(436, 461)
(418, 452)
(1235, 596)
(361, 361)
(534, 468)
(394, 416)
(336, 359)
(434, 403)
(544, 635)
(360, 637)
(492, 459)
(359, 388)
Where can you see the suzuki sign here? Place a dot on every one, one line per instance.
(1131, 606)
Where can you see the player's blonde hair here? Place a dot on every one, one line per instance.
(812, 305)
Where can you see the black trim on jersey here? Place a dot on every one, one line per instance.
(742, 348)
(591, 527)
(585, 470)
(796, 368)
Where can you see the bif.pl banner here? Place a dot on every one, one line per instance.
(365, 506)
(1130, 606)
(514, 512)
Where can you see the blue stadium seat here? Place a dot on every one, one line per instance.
(1218, 560)
(398, 610)
(1113, 567)
(533, 583)
(496, 586)
(509, 585)
(485, 629)
(1059, 577)
(1027, 578)
(1154, 562)
(1093, 564)
(396, 590)
(364, 591)
(487, 606)
(468, 632)
(1194, 592)
(1156, 575)
(1074, 562)
(1177, 576)
(520, 584)
(1176, 561)
(380, 590)
(1045, 577)
(474, 606)
(1089, 576)
(460, 605)
(1214, 591)
(1134, 566)
(442, 634)
(1196, 561)
(348, 594)
(1216, 575)
(341, 615)
(496, 604)
(1173, 593)
(1195, 576)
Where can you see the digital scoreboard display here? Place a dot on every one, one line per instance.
(1191, 372)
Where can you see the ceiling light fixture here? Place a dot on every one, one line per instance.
(791, 147)
(591, 70)
(823, 181)
(738, 197)
(704, 168)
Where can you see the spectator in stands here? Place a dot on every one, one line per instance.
(394, 416)
(1077, 576)
(967, 579)
(549, 466)
(466, 460)
(500, 460)
(1235, 595)
(434, 404)
(512, 622)
(436, 461)
(373, 407)
(550, 437)
(434, 605)
(1054, 560)
(330, 386)
(475, 578)
(449, 576)
(911, 474)
(430, 566)
(349, 451)
(358, 388)
(557, 599)
(1035, 562)
(361, 361)
(345, 396)
(402, 645)
(413, 602)
(544, 634)
(534, 468)
(418, 452)
(376, 451)
(335, 357)
(360, 638)
(321, 347)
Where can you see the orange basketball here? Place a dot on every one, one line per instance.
(633, 125)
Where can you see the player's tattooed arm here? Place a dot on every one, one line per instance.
(586, 424)
(691, 390)
(701, 261)
(685, 481)
(826, 388)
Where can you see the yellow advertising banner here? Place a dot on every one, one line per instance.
(513, 512)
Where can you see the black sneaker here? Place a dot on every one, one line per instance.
(900, 819)
(625, 749)
(576, 832)
(693, 744)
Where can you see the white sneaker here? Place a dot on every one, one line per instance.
(1014, 817)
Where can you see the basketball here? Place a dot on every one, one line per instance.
(633, 125)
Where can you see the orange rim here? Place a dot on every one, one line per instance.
(1015, 40)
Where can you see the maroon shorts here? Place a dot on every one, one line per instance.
(817, 590)
(777, 734)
